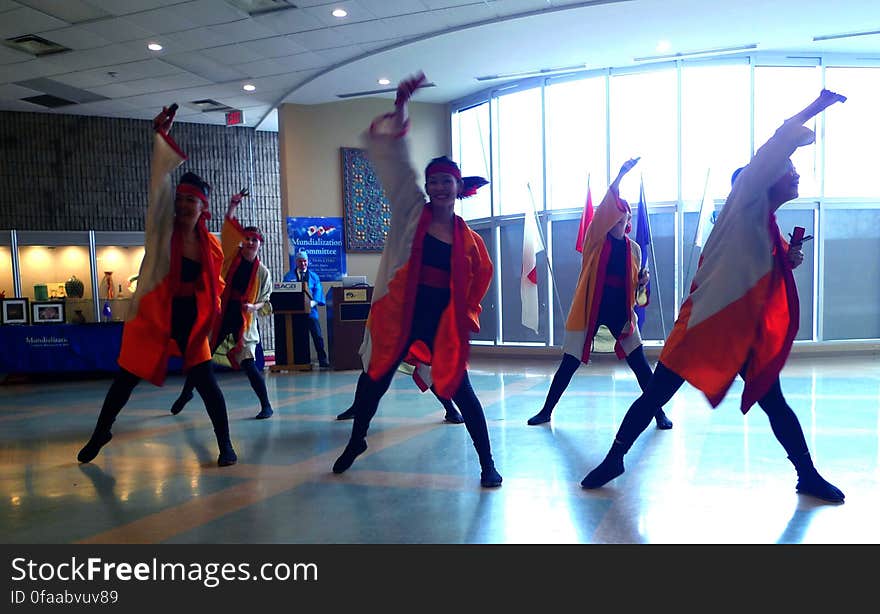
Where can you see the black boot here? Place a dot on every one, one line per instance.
(453, 416)
(227, 454)
(97, 441)
(355, 448)
(266, 412)
(811, 483)
(489, 476)
(348, 414)
(610, 468)
(541, 417)
(663, 422)
(183, 399)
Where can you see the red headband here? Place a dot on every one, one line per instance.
(443, 167)
(250, 234)
(188, 188)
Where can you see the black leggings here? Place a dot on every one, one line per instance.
(665, 383)
(204, 381)
(370, 392)
(254, 376)
(562, 378)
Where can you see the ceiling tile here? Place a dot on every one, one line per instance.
(356, 13)
(124, 7)
(205, 67)
(368, 32)
(210, 12)
(319, 39)
(75, 37)
(390, 8)
(242, 31)
(71, 11)
(11, 91)
(270, 47)
(9, 56)
(288, 22)
(231, 54)
(19, 22)
(116, 29)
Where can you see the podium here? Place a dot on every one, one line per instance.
(347, 312)
(290, 299)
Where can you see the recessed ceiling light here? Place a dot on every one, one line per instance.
(339, 12)
(154, 47)
(663, 46)
(384, 82)
(249, 87)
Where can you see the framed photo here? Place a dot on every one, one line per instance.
(14, 310)
(47, 312)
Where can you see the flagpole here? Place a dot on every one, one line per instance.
(699, 217)
(653, 256)
(544, 243)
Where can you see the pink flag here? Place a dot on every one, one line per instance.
(586, 218)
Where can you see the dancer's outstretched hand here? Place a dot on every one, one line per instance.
(407, 87)
(162, 122)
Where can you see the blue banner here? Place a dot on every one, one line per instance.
(322, 239)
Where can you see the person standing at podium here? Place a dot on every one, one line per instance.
(177, 301)
(309, 322)
(433, 273)
(246, 295)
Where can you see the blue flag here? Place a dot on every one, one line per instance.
(642, 236)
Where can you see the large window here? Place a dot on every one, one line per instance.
(780, 92)
(470, 148)
(715, 128)
(644, 123)
(520, 153)
(576, 137)
(852, 133)
(687, 120)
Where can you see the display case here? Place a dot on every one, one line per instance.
(47, 260)
(93, 272)
(118, 257)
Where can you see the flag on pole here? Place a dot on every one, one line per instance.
(586, 218)
(704, 226)
(528, 285)
(642, 234)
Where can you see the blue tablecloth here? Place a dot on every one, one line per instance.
(48, 348)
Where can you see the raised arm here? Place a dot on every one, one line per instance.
(234, 202)
(825, 99)
(624, 169)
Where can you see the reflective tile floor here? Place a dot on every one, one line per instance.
(716, 477)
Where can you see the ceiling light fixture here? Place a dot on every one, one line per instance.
(828, 37)
(687, 54)
(384, 81)
(249, 87)
(373, 92)
(154, 47)
(533, 73)
(339, 13)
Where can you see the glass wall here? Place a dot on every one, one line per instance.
(692, 123)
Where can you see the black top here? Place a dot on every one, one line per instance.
(242, 276)
(190, 269)
(431, 301)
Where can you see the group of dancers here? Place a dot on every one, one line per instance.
(740, 317)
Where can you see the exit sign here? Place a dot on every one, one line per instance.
(233, 118)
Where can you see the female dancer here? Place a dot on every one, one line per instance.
(432, 276)
(177, 301)
(610, 286)
(742, 313)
